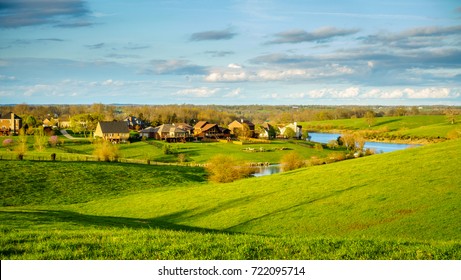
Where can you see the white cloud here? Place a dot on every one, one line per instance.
(198, 92)
(235, 66)
(235, 74)
(227, 76)
(234, 93)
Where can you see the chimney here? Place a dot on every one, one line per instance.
(13, 126)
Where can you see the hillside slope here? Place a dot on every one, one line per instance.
(412, 194)
(400, 205)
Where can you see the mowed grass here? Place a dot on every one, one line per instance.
(420, 126)
(400, 205)
(197, 153)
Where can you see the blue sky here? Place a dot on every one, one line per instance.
(390, 52)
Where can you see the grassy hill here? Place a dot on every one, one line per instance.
(430, 126)
(400, 205)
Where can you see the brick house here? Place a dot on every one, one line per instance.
(10, 124)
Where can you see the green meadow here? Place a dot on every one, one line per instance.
(420, 126)
(399, 205)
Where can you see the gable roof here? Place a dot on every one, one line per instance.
(209, 126)
(8, 116)
(200, 124)
(114, 127)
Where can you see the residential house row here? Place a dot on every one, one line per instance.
(119, 131)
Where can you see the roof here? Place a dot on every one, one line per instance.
(149, 129)
(209, 126)
(114, 127)
(8, 116)
(200, 124)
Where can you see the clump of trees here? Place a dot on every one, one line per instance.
(106, 151)
(225, 169)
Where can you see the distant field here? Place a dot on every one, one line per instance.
(419, 126)
(400, 205)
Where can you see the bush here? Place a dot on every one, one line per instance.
(104, 150)
(225, 169)
(291, 161)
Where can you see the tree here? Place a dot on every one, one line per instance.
(21, 148)
(352, 142)
(451, 114)
(225, 169)
(370, 118)
(41, 139)
(289, 133)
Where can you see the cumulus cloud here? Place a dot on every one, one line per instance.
(201, 92)
(235, 74)
(63, 13)
(300, 36)
(213, 35)
(234, 66)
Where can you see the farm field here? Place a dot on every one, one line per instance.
(400, 205)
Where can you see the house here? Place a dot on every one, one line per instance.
(170, 133)
(134, 122)
(184, 126)
(236, 127)
(148, 132)
(50, 122)
(10, 124)
(114, 131)
(203, 129)
(267, 131)
(298, 130)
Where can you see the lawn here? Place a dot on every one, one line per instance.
(400, 205)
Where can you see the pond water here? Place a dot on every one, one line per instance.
(267, 170)
(379, 147)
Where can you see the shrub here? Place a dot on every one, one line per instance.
(454, 134)
(291, 161)
(7, 143)
(225, 169)
(104, 150)
(318, 147)
(332, 144)
(53, 140)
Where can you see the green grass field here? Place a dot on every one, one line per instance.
(400, 205)
(433, 126)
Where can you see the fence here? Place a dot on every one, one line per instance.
(88, 158)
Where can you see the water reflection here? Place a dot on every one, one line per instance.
(267, 170)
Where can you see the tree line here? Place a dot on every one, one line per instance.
(34, 115)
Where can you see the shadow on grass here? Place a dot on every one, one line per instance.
(19, 218)
(386, 122)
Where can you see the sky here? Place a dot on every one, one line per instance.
(235, 52)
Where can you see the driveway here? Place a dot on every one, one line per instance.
(67, 135)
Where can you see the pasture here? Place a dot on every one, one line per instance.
(401, 205)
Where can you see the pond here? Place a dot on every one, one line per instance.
(267, 170)
(379, 147)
